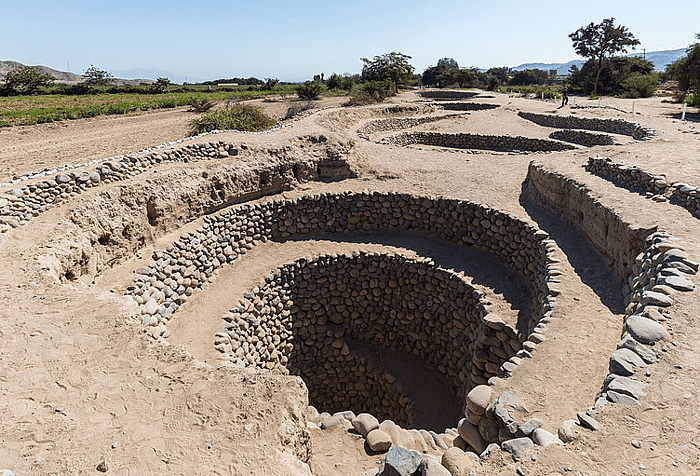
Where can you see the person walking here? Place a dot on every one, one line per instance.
(564, 98)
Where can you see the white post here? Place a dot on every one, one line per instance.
(542, 96)
(632, 107)
(598, 102)
(574, 102)
(685, 106)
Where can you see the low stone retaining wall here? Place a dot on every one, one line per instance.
(583, 138)
(27, 201)
(311, 311)
(617, 241)
(612, 126)
(447, 95)
(654, 186)
(398, 123)
(654, 273)
(467, 106)
(477, 141)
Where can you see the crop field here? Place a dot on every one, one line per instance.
(38, 109)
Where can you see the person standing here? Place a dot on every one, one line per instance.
(564, 98)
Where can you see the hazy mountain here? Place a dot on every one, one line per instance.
(154, 74)
(61, 76)
(562, 68)
(659, 58)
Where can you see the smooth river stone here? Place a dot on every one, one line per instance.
(645, 330)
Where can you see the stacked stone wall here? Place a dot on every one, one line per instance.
(478, 141)
(191, 262)
(311, 312)
(25, 202)
(467, 106)
(647, 183)
(448, 95)
(582, 138)
(612, 126)
(617, 241)
(398, 123)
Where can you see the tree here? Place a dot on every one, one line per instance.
(392, 67)
(599, 42)
(27, 80)
(434, 75)
(502, 74)
(337, 81)
(270, 83)
(686, 71)
(448, 63)
(529, 76)
(161, 84)
(310, 90)
(624, 76)
(98, 77)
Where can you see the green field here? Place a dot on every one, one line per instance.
(43, 108)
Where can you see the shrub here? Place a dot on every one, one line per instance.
(693, 99)
(234, 116)
(297, 108)
(339, 82)
(371, 92)
(309, 91)
(639, 85)
(200, 105)
(493, 83)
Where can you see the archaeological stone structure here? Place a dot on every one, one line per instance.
(328, 318)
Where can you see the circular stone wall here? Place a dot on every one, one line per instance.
(314, 318)
(478, 141)
(176, 273)
(447, 95)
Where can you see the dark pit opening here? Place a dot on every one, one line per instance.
(381, 334)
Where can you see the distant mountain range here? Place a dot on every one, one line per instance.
(659, 58)
(154, 74)
(66, 77)
(7, 66)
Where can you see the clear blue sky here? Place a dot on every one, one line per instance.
(293, 40)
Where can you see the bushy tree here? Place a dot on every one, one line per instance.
(392, 67)
(161, 85)
(686, 71)
(270, 83)
(309, 91)
(443, 76)
(622, 76)
(26, 80)
(599, 42)
(337, 81)
(502, 74)
(433, 76)
(529, 76)
(98, 77)
(449, 63)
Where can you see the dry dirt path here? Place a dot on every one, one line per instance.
(27, 149)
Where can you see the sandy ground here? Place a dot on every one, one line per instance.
(81, 383)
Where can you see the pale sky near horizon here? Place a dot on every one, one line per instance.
(293, 40)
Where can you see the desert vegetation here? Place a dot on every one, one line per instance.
(687, 72)
(233, 116)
